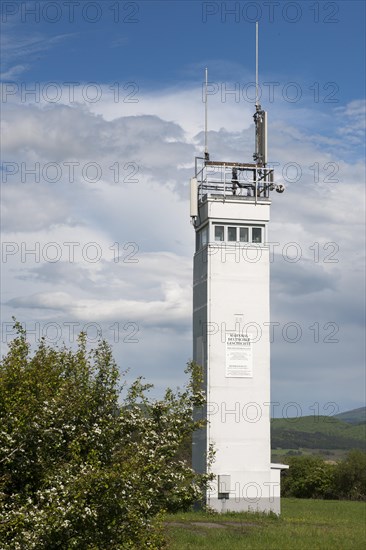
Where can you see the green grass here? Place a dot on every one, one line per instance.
(303, 525)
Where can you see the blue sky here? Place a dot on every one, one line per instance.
(162, 43)
(311, 56)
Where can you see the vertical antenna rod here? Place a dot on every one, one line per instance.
(256, 63)
(260, 117)
(206, 82)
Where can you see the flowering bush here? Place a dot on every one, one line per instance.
(79, 466)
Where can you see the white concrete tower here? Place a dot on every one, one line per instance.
(230, 209)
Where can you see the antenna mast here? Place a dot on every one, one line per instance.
(207, 156)
(260, 116)
(256, 63)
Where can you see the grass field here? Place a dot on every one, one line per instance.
(303, 525)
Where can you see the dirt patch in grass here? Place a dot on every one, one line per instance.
(211, 525)
(207, 524)
(188, 524)
(241, 524)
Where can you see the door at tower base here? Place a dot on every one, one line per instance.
(247, 491)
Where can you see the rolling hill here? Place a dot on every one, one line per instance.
(356, 416)
(320, 434)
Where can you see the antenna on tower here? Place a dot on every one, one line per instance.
(256, 63)
(260, 116)
(207, 156)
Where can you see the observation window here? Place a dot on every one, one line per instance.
(201, 238)
(256, 234)
(231, 234)
(219, 233)
(244, 234)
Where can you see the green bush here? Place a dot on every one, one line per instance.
(350, 476)
(79, 466)
(308, 477)
(311, 477)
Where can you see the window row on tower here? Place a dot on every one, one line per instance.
(230, 233)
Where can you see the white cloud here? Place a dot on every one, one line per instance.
(173, 308)
(16, 46)
(13, 72)
(159, 135)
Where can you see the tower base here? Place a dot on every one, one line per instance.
(248, 492)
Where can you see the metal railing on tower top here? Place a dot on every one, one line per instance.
(229, 179)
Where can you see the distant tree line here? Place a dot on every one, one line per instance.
(312, 477)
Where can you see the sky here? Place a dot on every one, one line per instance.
(102, 117)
